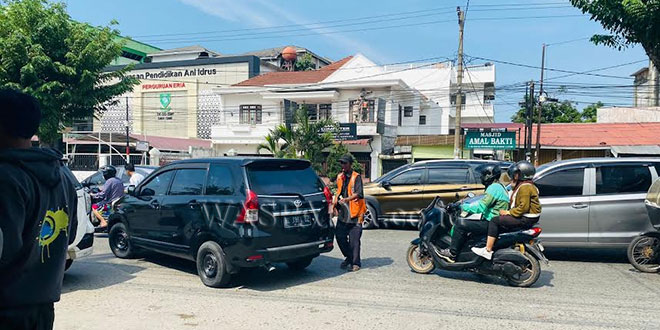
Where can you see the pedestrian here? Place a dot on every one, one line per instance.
(113, 189)
(37, 218)
(349, 227)
(135, 177)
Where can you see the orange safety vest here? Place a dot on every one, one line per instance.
(357, 207)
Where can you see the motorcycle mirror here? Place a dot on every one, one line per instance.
(386, 185)
(470, 195)
(457, 196)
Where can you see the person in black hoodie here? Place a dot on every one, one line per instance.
(37, 218)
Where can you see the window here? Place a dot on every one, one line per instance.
(97, 179)
(325, 111)
(448, 175)
(422, 120)
(400, 114)
(274, 180)
(408, 178)
(220, 181)
(312, 111)
(318, 111)
(362, 112)
(453, 99)
(188, 182)
(562, 183)
(250, 114)
(157, 185)
(622, 179)
(407, 111)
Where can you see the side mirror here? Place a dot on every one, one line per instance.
(85, 184)
(387, 185)
(457, 197)
(130, 190)
(470, 195)
(147, 192)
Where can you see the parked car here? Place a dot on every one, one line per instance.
(82, 246)
(96, 180)
(595, 202)
(226, 214)
(399, 195)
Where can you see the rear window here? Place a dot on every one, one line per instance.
(282, 181)
(562, 183)
(622, 179)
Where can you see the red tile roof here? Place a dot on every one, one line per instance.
(295, 77)
(589, 135)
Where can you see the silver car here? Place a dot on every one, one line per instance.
(595, 202)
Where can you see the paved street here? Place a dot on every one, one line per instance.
(159, 292)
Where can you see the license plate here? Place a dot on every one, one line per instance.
(297, 221)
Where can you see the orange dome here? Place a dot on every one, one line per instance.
(289, 53)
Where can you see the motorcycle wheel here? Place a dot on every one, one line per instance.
(644, 254)
(418, 261)
(531, 273)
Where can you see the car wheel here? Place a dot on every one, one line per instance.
(300, 264)
(68, 264)
(211, 265)
(120, 242)
(370, 218)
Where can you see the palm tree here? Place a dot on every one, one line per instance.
(279, 142)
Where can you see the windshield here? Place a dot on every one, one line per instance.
(69, 174)
(278, 181)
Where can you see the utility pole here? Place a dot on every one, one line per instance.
(459, 80)
(529, 121)
(128, 149)
(540, 106)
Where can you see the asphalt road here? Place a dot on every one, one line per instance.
(579, 290)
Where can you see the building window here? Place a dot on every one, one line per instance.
(318, 111)
(325, 111)
(400, 115)
(362, 112)
(453, 99)
(407, 111)
(422, 120)
(250, 114)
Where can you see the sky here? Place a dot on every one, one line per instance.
(507, 31)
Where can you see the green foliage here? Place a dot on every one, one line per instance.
(337, 151)
(305, 63)
(301, 141)
(629, 21)
(562, 112)
(60, 62)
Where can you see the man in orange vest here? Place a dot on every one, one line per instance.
(349, 227)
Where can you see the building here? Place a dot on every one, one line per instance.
(380, 102)
(646, 101)
(133, 51)
(275, 56)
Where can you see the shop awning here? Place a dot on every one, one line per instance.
(635, 150)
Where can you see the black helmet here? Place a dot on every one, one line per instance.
(108, 171)
(524, 168)
(489, 173)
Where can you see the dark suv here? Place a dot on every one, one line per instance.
(227, 213)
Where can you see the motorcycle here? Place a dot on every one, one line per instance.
(516, 256)
(644, 250)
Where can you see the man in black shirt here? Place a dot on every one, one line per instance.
(349, 226)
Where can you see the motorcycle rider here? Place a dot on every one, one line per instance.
(113, 189)
(496, 200)
(525, 207)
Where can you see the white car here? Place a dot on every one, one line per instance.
(82, 246)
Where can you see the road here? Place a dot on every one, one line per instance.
(599, 291)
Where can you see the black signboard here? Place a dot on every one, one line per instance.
(342, 132)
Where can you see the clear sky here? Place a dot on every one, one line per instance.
(391, 32)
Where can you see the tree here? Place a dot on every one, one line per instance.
(629, 21)
(60, 62)
(563, 112)
(337, 151)
(305, 63)
(303, 140)
(590, 113)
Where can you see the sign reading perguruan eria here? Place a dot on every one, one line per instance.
(490, 140)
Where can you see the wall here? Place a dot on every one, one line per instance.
(628, 115)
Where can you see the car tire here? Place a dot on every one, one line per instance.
(299, 264)
(370, 218)
(212, 266)
(120, 242)
(68, 264)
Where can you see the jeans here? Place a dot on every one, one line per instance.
(33, 317)
(461, 229)
(348, 238)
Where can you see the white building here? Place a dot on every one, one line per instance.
(401, 100)
(646, 102)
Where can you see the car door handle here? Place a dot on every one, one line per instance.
(193, 203)
(579, 206)
(155, 204)
(465, 188)
(415, 191)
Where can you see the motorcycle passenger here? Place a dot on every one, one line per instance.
(113, 189)
(496, 199)
(525, 207)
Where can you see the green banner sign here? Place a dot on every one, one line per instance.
(490, 140)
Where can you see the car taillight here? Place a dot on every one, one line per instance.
(328, 195)
(250, 211)
(535, 231)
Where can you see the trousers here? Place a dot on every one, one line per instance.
(348, 238)
(461, 230)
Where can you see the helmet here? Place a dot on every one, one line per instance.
(524, 168)
(489, 173)
(108, 171)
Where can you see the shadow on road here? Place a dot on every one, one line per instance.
(95, 272)
(545, 280)
(587, 255)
